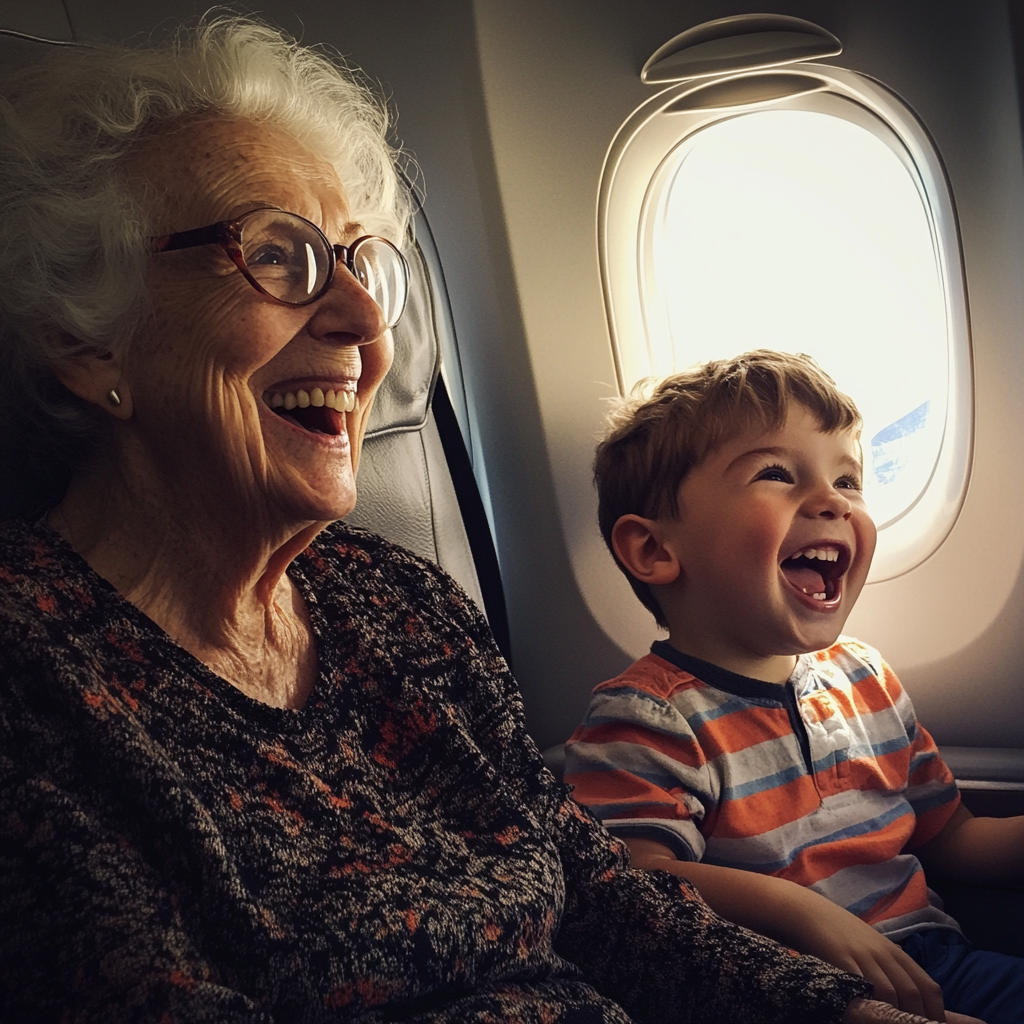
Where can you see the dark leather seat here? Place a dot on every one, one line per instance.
(405, 487)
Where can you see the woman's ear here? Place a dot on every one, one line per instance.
(638, 546)
(96, 378)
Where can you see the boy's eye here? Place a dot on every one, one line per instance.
(849, 482)
(778, 474)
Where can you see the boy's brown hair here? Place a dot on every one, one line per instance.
(653, 442)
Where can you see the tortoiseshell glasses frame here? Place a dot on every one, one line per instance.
(290, 260)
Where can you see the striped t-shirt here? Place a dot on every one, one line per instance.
(827, 780)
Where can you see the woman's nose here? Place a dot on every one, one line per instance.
(347, 314)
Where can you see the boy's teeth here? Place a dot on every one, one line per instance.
(340, 401)
(825, 554)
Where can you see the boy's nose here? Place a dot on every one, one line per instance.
(829, 504)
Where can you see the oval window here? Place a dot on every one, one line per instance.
(808, 226)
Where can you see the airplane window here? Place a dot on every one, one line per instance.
(808, 225)
(805, 232)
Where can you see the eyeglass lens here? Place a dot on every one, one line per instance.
(379, 268)
(291, 260)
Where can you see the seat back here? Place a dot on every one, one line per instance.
(405, 489)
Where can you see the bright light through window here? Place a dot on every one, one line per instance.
(805, 232)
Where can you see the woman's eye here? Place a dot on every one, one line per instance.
(268, 256)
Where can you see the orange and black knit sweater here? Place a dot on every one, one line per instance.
(174, 852)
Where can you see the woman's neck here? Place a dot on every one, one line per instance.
(214, 580)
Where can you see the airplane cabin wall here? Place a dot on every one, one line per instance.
(559, 80)
(508, 109)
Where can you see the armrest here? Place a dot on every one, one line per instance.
(991, 779)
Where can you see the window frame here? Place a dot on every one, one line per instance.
(634, 168)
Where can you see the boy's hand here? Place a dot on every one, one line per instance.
(868, 1011)
(838, 937)
(809, 923)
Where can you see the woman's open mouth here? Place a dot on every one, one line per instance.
(317, 410)
(817, 571)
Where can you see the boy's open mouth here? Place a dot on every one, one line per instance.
(818, 570)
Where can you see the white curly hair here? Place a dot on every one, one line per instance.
(74, 231)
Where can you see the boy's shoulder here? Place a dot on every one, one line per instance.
(653, 675)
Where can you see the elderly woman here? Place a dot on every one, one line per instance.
(256, 765)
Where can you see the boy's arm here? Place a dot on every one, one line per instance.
(802, 919)
(975, 850)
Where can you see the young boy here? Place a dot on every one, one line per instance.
(778, 768)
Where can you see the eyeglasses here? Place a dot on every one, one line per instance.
(289, 259)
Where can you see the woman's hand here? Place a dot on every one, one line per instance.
(870, 1011)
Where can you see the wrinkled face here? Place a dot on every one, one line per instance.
(220, 378)
(774, 541)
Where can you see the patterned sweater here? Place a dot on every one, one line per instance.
(828, 781)
(174, 852)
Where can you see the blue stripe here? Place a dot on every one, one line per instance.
(861, 752)
(603, 811)
(931, 802)
(922, 758)
(795, 771)
(888, 746)
(863, 905)
(695, 719)
(733, 706)
(858, 675)
(767, 782)
(851, 831)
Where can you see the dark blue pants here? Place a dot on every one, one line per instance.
(985, 985)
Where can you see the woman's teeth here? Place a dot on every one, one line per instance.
(341, 401)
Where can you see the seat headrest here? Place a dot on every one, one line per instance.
(404, 397)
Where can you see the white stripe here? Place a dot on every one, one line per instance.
(842, 811)
(850, 885)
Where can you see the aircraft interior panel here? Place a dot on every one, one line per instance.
(507, 112)
(559, 80)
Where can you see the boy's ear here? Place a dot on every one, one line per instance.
(96, 378)
(637, 544)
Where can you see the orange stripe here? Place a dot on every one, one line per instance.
(645, 800)
(823, 861)
(931, 823)
(736, 732)
(761, 812)
(913, 896)
(680, 748)
(653, 675)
